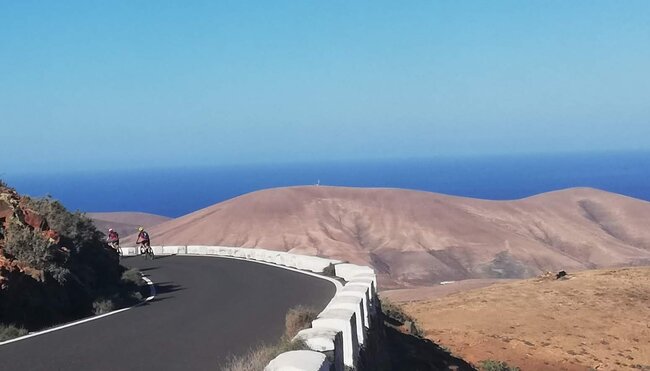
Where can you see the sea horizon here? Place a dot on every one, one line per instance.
(177, 191)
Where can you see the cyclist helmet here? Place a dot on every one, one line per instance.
(140, 229)
(110, 229)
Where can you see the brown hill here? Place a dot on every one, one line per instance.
(125, 223)
(590, 320)
(419, 238)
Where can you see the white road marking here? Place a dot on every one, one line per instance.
(152, 294)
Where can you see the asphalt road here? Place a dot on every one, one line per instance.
(205, 310)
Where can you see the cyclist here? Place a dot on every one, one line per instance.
(113, 239)
(143, 240)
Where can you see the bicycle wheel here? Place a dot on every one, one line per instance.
(150, 253)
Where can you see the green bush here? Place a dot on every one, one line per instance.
(492, 365)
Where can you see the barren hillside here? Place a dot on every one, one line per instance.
(419, 238)
(591, 320)
(125, 223)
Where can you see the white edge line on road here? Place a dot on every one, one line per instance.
(152, 291)
(152, 295)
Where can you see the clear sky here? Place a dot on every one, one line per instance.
(124, 84)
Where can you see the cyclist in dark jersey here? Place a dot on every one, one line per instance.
(143, 239)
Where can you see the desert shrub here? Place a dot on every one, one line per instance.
(74, 276)
(9, 332)
(133, 276)
(393, 311)
(257, 358)
(395, 314)
(27, 245)
(101, 306)
(298, 318)
(492, 365)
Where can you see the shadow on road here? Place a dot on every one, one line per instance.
(163, 256)
(163, 288)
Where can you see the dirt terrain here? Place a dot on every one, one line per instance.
(597, 319)
(438, 291)
(415, 238)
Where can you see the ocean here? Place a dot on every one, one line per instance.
(177, 191)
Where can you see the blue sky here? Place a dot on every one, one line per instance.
(115, 85)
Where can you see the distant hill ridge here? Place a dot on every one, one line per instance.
(415, 238)
(125, 222)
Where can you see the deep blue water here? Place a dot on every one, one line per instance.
(174, 192)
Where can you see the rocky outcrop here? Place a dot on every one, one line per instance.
(14, 209)
(53, 264)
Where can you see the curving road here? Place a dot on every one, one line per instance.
(205, 310)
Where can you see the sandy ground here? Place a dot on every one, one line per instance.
(437, 291)
(596, 319)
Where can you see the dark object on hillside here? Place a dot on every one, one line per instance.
(560, 275)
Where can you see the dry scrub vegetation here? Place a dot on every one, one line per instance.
(591, 320)
(297, 318)
(54, 266)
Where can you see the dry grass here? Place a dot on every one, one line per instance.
(9, 332)
(593, 319)
(256, 359)
(400, 319)
(133, 276)
(298, 318)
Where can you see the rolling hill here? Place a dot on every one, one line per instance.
(417, 238)
(125, 223)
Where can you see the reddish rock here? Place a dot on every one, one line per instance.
(33, 219)
(14, 208)
(51, 235)
(6, 210)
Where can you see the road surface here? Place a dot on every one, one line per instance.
(205, 310)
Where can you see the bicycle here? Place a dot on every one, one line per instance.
(148, 251)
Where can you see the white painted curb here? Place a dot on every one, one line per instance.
(347, 314)
(340, 328)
